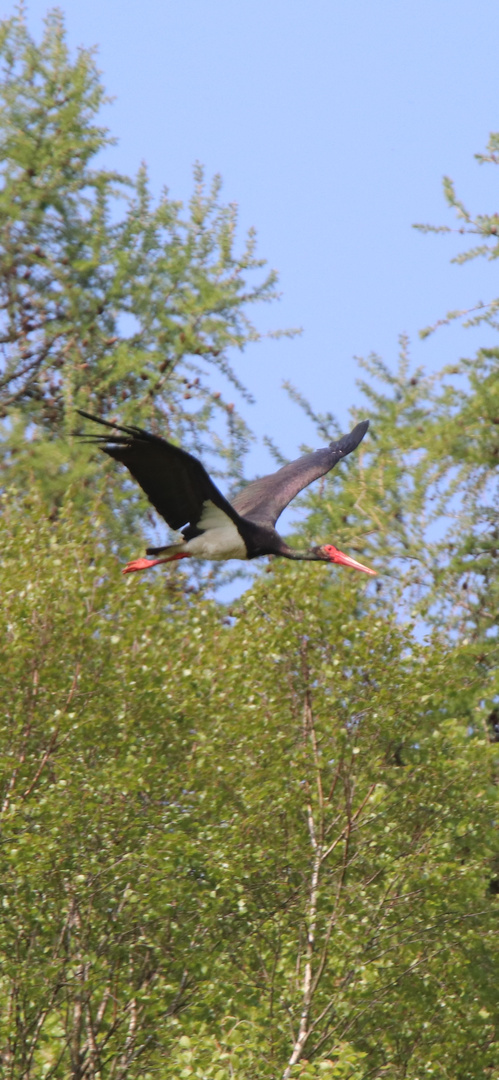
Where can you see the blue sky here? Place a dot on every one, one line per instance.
(331, 124)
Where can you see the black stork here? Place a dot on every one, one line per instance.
(179, 488)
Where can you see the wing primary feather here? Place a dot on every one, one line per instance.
(129, 430)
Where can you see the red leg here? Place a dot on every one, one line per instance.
(145, 564)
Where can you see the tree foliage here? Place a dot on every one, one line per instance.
(256, 843)
(256, 848)
(109, 301)
(421, 497)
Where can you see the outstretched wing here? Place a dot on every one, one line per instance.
(263, 500)
(175, 482)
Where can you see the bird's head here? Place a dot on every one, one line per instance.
(328, 553)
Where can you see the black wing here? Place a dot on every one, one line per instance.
(175, 482)
(264, 500)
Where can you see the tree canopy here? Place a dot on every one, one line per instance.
(246, 841)
(109, 301)
(237, 847)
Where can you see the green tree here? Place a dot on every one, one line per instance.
(109, 302)
(250, 845)
(249, 849)
(420, 499)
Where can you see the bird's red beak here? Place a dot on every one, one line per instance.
(339, 557)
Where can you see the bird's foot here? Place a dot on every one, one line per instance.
(139, 564)
(145, 564)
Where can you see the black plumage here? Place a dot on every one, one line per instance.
(181, 490)
(175, 482)
(264, 500)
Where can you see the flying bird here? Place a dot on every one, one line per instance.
(181, 490)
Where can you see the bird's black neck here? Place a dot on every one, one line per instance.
(312, 555)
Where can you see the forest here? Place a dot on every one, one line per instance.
(241, 840)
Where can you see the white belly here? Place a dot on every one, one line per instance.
(219, 539)
(217, 544)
